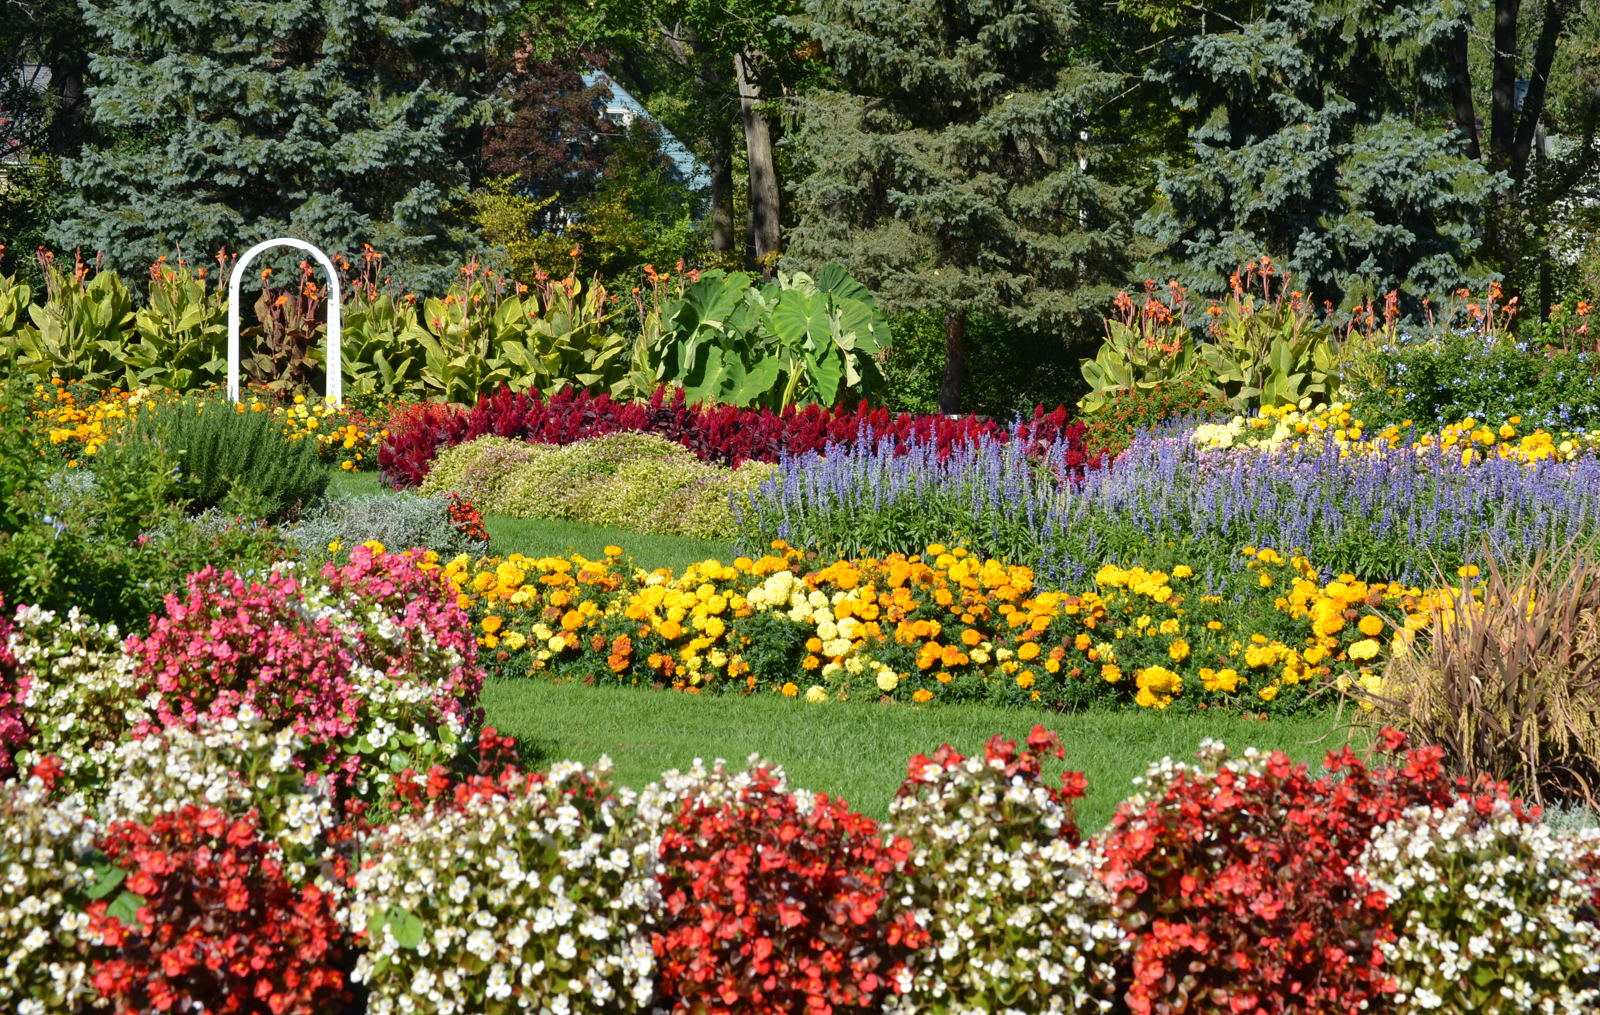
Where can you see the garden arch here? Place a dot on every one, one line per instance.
(335, 366)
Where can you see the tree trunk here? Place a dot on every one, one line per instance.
(722, 193)
(1461, 93)
(763, 228)
(1533, 103)
(955, 361)
(1503, 111)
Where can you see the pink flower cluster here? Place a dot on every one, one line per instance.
(13, 691)
(370, 664)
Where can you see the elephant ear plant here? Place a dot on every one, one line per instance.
(799, 339)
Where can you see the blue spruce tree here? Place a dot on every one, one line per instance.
(230, 121)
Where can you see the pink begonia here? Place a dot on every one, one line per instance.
(14, 686)
(374, 653)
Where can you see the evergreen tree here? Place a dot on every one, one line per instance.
(1321, 134)
(339, 121)
(956, 170)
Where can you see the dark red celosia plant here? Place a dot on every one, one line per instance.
(220, 929)
(770, 906)
(1238, 887)
(716, 433)
(14, 686)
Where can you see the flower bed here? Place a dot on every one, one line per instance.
(719, 434)
(944, 626)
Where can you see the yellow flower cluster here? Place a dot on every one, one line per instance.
(944, 624)
(1469, 440)
(79, 427)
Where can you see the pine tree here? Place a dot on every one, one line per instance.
(1321, 134)
(956, 169)
(230, 121)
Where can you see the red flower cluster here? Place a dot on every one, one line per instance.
(1238, 887)
(218, 927)
(466, 519)
(720, 434)
(13, 688)
(771, 907)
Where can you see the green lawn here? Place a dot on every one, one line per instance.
(858, 750)
(538, 537)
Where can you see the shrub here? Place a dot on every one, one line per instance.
(773, 901)
(1459, 375)
(1492, 912)
(1507, 680)
(392, 519)
(1017, 919)
(216, 925)
(373, 664)
(536, 886)
(630, 480)
(223, 451)
(1236, 883)
(722, 435)
(46, 866)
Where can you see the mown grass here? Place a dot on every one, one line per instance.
(859, 750)
(539, 537)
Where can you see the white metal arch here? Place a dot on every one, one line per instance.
(335, 364)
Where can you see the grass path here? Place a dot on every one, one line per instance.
(859, 750)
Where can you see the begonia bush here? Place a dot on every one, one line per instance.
(1491, 912)
(79, 695)
(14, 686)
(217, 926)
(1236, 880)
(372, 663)
(526, 892)
(773, 901)
(1003, 885)
(46, 865)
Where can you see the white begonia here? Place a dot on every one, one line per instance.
(45, 860)
(583, 894)
(1488, 910)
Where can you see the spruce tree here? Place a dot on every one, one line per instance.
(1321, 134)
(955, 170)
(230, 121)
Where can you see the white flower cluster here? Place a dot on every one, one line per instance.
(44, 858)
(1020, 924)
(236, 764)
(83, 697)
(536, 900)
(1488, 913)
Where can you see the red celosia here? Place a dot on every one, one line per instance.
(772, 907)
(218, 928)
(1238, 887)
(716, 433)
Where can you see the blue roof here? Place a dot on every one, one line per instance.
(693, 171)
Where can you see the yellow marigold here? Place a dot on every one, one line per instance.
(1371, 626)
(1028, 650)
(1178, 650)
(790, 689)
(922, 696)
(970, 637)
(1025, 679)
(1111, 673)
(1158, 687)
(1366, 648)
(1183, 571)
(492, 623)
